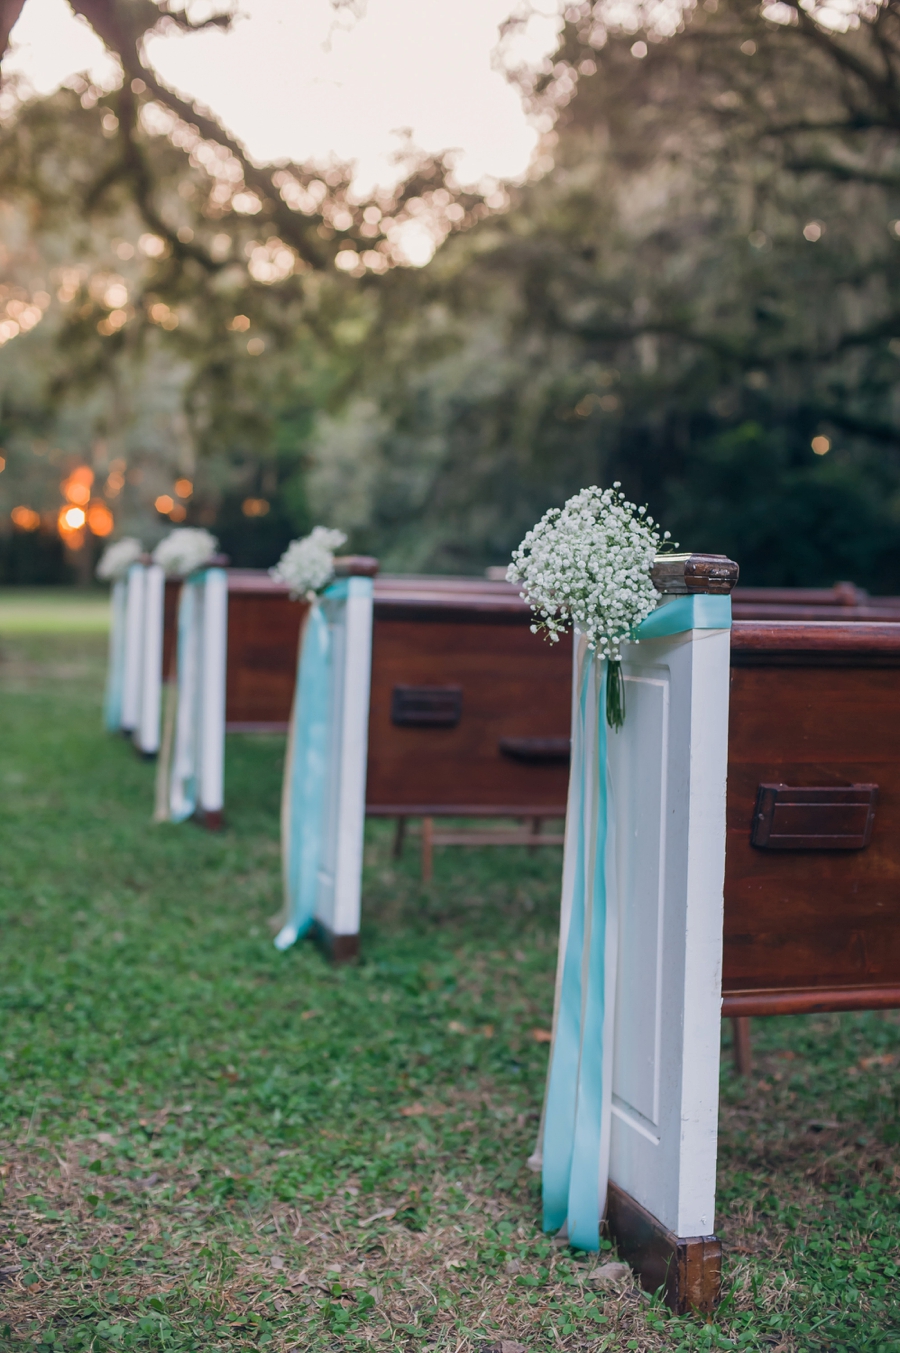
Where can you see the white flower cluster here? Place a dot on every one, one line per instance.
(589, 565)
(185, 549)
(308, 564)
(117, 559)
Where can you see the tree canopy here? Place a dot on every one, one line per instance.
(198, 307)
(698, 296)
(695, 291)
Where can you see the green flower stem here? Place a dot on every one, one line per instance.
(615, 694)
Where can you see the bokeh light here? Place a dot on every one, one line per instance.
(77, 488)
(164, 315)
(100, 519)
(25, 518)
(152, 246)
(115, 480)
(70, 523)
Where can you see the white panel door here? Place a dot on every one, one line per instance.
(668, 769)
(134, 648)
(638, 756)
(349, 615)
(146, 734)
(214, 653)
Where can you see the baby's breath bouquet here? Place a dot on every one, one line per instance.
(118, 558)
(588, 564)
(185, 549)
(308, 564)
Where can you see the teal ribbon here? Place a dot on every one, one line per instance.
(579, 1079)
(676, 614)
(308, 764)
(115, 672)
(306, 778)
(573, 1119)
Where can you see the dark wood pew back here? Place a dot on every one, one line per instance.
(814, 703)
(470, 711)
(263, 633)
(843, 601)
(812, 909)
(500, 746)
(170, 628)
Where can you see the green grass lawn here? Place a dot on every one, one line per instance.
(53, 610)
(206, 1145)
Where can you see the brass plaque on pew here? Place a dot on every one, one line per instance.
(814, 817)
(426, 706)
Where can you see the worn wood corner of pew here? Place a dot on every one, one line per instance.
(688, 1269)
(339, 948)
(680, 574)
(355, 565)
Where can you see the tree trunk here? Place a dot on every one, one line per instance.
(9, 13)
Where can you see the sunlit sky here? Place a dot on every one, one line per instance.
(293, 81)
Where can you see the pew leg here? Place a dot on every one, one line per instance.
(399, 838)
(427, 849)
(536, 824)
(743, 1052)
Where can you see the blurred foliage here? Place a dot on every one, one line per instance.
(703, 278)
(163, 328)
(698, 278)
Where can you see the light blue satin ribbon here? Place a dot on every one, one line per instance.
(574, 1091)
(115, 673)
(306, 778)
(576, 1085)
(676, 614)
(311, 760)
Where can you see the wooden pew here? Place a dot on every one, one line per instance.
(812, 858)
(812, 907)
(811, 916)
(469, 716)
(448, 640)
(469, 713)
(809, 926)
(843, 601)
(170, 628)
(263, 632)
